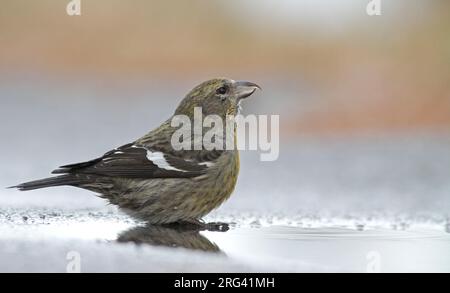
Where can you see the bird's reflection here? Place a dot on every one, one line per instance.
(174, 235)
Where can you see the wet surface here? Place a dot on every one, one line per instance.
(35, 240)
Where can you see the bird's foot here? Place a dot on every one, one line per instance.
(217, 226)
(213, 226)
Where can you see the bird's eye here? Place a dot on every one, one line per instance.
(222, 90)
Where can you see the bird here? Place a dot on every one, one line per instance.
(150, 180)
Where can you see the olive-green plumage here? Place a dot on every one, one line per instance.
(152, 181)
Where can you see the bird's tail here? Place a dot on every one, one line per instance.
(48, 182)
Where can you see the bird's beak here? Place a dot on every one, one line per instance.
(244, 89)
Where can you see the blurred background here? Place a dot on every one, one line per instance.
(364, 101)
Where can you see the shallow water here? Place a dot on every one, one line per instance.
(37, 240)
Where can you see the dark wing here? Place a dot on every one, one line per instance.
(133, 161)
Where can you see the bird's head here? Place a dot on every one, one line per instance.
(218, 96)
